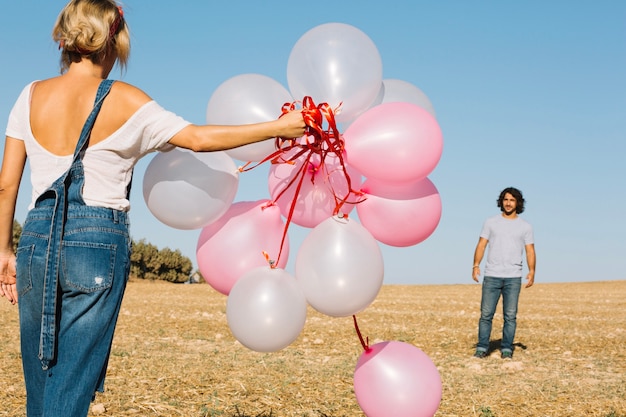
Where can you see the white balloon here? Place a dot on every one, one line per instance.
(398, 90)
(188, 190)
(340, 267)
(246, 99)
(266, 309)
(336, 63)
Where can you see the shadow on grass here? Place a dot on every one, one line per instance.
(497, 344)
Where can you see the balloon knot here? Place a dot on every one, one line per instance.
(271, 262)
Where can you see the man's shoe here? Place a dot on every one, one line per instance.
(480, 354)
(507, 355)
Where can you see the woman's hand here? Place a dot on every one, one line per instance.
(291, 125)
(8, 288)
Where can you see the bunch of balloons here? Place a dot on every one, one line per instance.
(371, 145)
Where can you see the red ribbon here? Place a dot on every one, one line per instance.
(322, 142)
(318, 140)
(364, 342)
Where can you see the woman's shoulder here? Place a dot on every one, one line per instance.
(128, 95)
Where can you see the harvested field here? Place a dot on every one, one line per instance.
(174, 355)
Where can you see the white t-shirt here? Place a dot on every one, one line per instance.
(108, 165)
(507, 241)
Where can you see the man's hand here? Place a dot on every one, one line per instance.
(475, 273)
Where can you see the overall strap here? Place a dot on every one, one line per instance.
(103, 91)
(47, 341)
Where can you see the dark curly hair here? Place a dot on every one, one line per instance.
(517, 194)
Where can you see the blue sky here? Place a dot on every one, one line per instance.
(530, 94)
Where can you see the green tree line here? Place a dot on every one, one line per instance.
(146, 260)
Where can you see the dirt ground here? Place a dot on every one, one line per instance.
(174, 355)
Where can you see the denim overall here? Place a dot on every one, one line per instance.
(73, 262)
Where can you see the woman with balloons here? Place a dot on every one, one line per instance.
(72, 260)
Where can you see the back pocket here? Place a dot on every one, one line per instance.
(23, 264)
(88, 266)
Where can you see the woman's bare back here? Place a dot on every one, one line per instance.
(60, 106)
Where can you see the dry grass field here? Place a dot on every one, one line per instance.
(174, 355)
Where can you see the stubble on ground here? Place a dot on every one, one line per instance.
(174, 355)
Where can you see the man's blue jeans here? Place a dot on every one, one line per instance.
(492, 289)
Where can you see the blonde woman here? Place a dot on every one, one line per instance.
(83, 134)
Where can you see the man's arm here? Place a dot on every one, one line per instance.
(478, 257)
(530, 260)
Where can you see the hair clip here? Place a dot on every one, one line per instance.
(116, 23)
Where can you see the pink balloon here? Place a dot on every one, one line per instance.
(397, 379)
(394, 142)
(235, 243)
(316, 198)
(400, 215)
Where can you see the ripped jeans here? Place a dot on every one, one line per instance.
(94, 261)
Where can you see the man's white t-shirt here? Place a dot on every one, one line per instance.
(507, 240)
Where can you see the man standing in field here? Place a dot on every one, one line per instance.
(507, 236)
